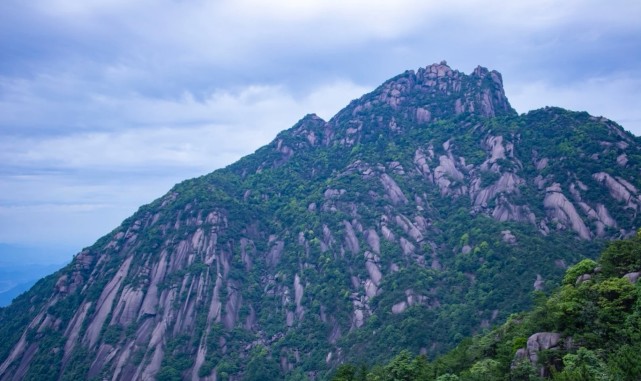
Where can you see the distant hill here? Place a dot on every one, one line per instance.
(18, 278)
(22, 266)
(12, 290)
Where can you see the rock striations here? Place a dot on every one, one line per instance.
(419, 214)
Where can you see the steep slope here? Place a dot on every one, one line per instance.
(421, 213)
(588, 329)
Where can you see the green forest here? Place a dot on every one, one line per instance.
(592, 324)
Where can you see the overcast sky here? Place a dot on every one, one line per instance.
(105, 104)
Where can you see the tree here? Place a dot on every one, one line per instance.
(486, 370)
(584, 365)
(622, 257)
(261, 367)
(402, 368)
(625, 363)
(448, 377)
(168, 373)
(586, 266)
(345, 372)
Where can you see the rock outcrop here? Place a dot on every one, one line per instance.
(536, 343)
(561, 210)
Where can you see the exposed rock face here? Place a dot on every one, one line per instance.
(535, 344)
(508, 237)
(298, 296)
(505, 211)
(507, 183)
(619, 189)
(275, 253)
(583, 278)
(373, 269)
(127, 309)
(411, 299)
(393, 191)
(539, 342)
(497, 151)
(440, 77)
(373, 240)
(105, 303)
(446, 173)
(632, 277)
(562, 210)
(409, 228)
(541, 164)
(407, 246)
(538, 283)
(420, 160)
(351, 241)
(423, 115)
(604, 216)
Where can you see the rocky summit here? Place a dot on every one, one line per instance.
(420, 214)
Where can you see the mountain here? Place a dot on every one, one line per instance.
(21, 267)
(588, 329)
(16, 279)
(420, 214)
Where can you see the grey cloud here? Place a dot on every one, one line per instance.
(99, 94)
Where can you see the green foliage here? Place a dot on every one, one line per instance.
(622, 257)
(403, 367)
(586, 266)
(599, 322)
(345, 372)
(524, 371)
(168, 373)
(625, 362)
(261, 366)
(486, 370)
(447, 377)
(583, 365)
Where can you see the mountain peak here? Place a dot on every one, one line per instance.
(311, 118)
(480, 93)
(440, 69)
(480, 71)
(439, 92)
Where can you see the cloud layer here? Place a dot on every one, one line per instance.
(105, 104)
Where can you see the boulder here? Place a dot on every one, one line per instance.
(632, 277)
(583, 278)
(541, 341)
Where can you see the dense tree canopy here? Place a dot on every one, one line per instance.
(598, 319)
